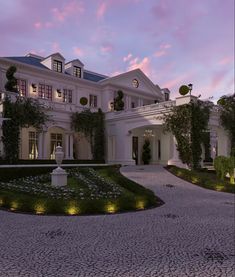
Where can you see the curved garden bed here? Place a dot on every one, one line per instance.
(89, 191)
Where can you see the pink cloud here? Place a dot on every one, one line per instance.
(165, 46)
(55, 47)
(71, 8)
(226, 60)
(107, 48)
(178, 81)
(128, 57)
(37, 25)
(143, 64)
(78, 51)
(218, 78)
(160, 53)
(101, 10)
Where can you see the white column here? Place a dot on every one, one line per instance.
(175, 160)
(40, 145)
(45, 144)
(140, 102)
(71, 147)
(66, 146)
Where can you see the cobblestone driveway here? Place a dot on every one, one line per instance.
(191, 235)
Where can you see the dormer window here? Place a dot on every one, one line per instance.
(57, 66)
(166, 96)
(77, 71)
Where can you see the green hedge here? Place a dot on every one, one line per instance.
(3, 162)
(134, 196)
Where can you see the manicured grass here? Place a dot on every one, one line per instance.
(89, 191)
(204, 178)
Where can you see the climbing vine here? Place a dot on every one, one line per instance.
(188, 123)
(226, 105)
(91, 124)
(22, 113)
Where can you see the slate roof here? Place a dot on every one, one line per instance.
(28, 60)
(37, 62)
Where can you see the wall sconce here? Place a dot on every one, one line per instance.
(59, 93)
(34, 86)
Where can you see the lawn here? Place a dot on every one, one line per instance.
(203, 178)
(89, 191)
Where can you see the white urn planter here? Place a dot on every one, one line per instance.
(59, 175)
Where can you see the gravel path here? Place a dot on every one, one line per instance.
(192, 234)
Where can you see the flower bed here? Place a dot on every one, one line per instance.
(88, 191)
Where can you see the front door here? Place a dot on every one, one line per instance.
(135, 150)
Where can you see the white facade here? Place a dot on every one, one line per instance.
(60, 85)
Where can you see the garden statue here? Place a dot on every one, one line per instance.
(59, 175)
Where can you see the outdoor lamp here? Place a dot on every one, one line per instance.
(59, 93)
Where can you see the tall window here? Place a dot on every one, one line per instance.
(77, 71)
(93, 101)
(56, 140)
(45, 91)
(67, 96)
(22, 87)
(166, 96)
(33, 145)
(57, 66)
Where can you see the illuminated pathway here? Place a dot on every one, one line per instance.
(191, 235)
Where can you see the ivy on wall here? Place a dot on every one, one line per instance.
(189, 123)
(227, 117)
(91, 124)
(22, 113)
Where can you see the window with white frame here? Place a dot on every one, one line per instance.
(93, 101)
(45, 91)
(67, 96)
(56, 140)
(22, 87)
(57, 66)
(77, 71)
(33, 145)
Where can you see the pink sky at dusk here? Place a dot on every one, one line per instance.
(174, 42)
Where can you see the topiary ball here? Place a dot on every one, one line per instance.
(183, 90)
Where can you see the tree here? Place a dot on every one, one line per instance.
(188, 123)
(146, 154)
(118, 101)
(227, 116)
(22, 113)
(92, 126)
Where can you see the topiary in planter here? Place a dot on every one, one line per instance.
(146, 154)
(83, 101)
(118, 101)
(11, 80)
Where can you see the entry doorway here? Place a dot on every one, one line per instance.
(135, 149)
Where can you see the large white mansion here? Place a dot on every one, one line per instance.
(60, 85)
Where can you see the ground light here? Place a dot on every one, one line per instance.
(14, 205)
(40, 208)
(140, 205)
(72, 209)
(111, 208)
(1, 201)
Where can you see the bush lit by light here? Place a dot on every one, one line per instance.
(72, 209)
(1, 201)
(40, 208)
(14, 205)
(140, 205)
(111, 208)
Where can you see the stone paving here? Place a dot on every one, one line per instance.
(191, 235)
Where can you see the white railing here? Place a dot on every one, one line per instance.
(143, 109)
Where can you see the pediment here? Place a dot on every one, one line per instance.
(134, 80)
